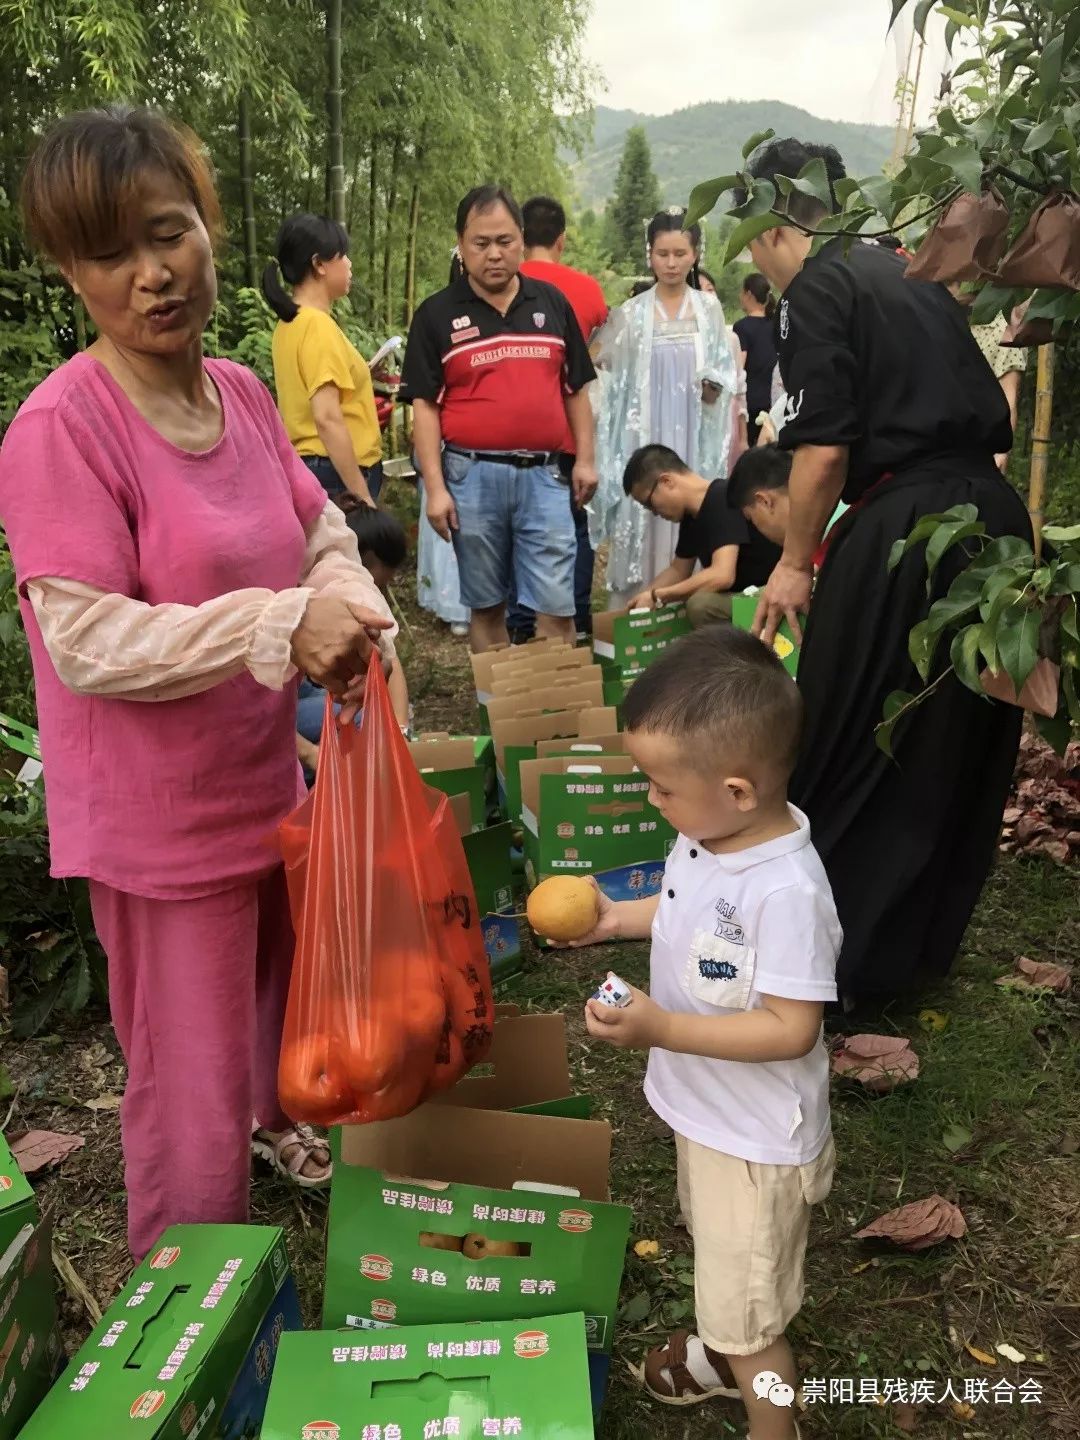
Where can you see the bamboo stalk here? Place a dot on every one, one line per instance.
(336, 157)
(1040, 441)
(247, 188)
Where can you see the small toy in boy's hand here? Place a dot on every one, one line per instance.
(614, 992)
(564, 908)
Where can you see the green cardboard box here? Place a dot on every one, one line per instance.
(188, 1346)
(380, 1272)
(593, 818)
(18, 1207)
(743, 610)
(22, 741)
(487, 854)
(516, 740)
(471, 1381)
(527, 1070)
(30, 1349)
(629, 640)
(450, 765)
(587, 688)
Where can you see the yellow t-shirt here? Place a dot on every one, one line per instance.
(312, 351)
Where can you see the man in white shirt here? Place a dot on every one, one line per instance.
(744, 945)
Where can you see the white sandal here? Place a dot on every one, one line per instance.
(305, 1144)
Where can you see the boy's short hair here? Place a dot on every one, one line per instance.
(380, 533)
(545, 221)
(646, 466)
(766, 467)
(725, 696)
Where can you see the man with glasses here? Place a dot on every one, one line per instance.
(732, 554)
(496, 369)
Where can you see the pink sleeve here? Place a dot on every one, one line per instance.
(60, 506)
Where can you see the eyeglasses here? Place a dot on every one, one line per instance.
(648, 499)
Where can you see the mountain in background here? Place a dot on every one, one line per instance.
(706, 140)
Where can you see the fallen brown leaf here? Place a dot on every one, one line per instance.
(980, 1355)
(961, 1411)
(647, 1249)
(36, 1150)
(103, 1102)
(905, 1417)
(919, 1225)
(879, 1062)
(1038, 975)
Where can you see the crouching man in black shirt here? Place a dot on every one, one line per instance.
(732, 554)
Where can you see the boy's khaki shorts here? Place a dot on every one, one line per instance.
(749, 1225)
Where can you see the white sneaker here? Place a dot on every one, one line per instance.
(459, 632)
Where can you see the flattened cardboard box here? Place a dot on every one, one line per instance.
(571, 1250)
(30, 1349)
(450, 765)
(555, 669)
(743, 610)
(188, 1346)
(471, 1381)
(631, 640)
(593, 818)
(517, 739)
(487, 854)
(558, 697)
(483, 665)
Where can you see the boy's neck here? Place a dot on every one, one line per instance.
(767, 823)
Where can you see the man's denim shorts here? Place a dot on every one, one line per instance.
(515, 530)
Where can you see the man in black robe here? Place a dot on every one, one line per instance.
(892, 407)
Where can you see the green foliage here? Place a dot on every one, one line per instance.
(717, 131)
(636, 199)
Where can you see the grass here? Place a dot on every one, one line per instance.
(1005, 1071)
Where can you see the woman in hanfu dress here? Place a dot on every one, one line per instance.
(667, 376)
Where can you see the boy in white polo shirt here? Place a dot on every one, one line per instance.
(744, 945)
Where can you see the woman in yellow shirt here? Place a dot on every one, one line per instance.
(323, 383)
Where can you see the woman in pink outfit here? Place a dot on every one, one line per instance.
(177, 565)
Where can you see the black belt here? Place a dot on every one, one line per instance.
(519, 459)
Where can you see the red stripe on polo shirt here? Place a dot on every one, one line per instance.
(506, 392)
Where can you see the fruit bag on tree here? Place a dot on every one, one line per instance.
(390, 998)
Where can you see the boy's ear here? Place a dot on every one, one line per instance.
(743, 792)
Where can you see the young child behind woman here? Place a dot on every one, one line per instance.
(744, 945)
(383, 546)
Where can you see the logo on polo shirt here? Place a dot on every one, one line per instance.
(539, 319)
(461, 323)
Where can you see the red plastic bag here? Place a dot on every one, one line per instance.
(390, 998)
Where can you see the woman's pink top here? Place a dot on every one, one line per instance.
(173, 798)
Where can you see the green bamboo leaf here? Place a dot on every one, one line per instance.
(1018, 642)
(758, 138)
(704, 197)
(897, 6)
(964, 654)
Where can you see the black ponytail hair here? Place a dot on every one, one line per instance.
(757, 286)
(302, 240)
(667, 220)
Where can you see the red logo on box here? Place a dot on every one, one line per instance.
(575, 1222)
(148, 1403)
(5, 1182)
(166, 1256)
(383, 1310)
(565, 831)
(187, 1418)
(376, 1267)
(531, 1344)
(321, 1430)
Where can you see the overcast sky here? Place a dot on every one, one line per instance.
(831, 57)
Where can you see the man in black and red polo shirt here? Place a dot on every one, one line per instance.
(496, 369)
